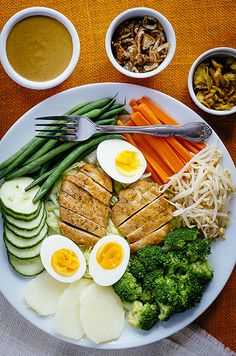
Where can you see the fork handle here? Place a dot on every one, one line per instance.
(194, 131)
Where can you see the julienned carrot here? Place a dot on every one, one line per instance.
(160, 145)
(189, 145)
(181, 151)
(163, 177)
(132, 102)
(166, 119)
(130, 139)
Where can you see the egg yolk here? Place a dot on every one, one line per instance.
(127, 162)
(110, 255)
(65, 262)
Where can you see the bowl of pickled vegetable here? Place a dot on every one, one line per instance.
(212, 81)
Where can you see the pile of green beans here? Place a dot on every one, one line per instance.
(39, 155)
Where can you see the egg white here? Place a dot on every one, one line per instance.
(105, 277)
(107, 152)
(54, 243)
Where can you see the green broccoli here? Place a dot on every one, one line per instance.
(202, 271)
(150, 279)
(190, 292)
(175, 262)
(143, 316)
(178, 238)
(198, 250)
(166, 292)
(136, 268)
(150, 257)
(147, 297)
(128, 288)
(165, 311)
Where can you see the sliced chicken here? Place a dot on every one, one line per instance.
(154, 238)
(93, 188)
(80, 237)
(151, 225)
(148, 213)
(86, 205)
(98, 175)
(131, 202)
(82, 222)
(137, 188)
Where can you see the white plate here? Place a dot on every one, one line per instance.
(223, 252)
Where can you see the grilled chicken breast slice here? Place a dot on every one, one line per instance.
(148, 213)
(155, 238)
(87, 206)
(151, 225)
(91, 187)
(80, 237)
(132, 202)
(98, 175)
(82, 222)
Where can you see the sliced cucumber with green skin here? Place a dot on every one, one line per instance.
(23, 253)
(24, 243)
(15, 199)
(27, 234)
(18, 216)
(26, 225)
(29, 268)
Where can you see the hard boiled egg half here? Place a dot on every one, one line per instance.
(62, 259)
(121, 160)
(109, 260)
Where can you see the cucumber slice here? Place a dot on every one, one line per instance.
(20, 217)
(23, 253)
(24, 243)
(25, 225)
(27, 234)
(30, 267)
(15, 199)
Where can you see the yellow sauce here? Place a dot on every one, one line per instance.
(65, 262)
(110, 255)
(127, 162)
(39, 48)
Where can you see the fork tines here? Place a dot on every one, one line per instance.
(65, 129)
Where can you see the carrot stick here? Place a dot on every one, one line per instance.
(132, 102)
(166, 119)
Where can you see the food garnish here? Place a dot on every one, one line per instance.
(121, 161)
(140, 44)
(201, 193)
(162, 281)
(215, 83)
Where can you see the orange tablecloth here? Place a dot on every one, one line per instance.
(199, 25)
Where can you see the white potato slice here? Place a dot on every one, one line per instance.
(67, 319)
(43, 293)
(101, 313)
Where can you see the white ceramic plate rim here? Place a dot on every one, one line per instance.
(223, 255)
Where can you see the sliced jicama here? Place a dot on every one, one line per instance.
(101, 313)
(43, 293)
(67, 319)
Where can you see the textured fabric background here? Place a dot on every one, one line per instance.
(199, 25)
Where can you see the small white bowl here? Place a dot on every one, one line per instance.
(219, 52)
(141, 12)
(35, 11)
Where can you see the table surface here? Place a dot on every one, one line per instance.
(199, 26)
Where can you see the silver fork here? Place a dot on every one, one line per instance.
(79, 128)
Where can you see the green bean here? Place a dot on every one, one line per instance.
(44, 168)
(44, 149)
(47, 185)
(111, 121)
(39, 161)
(97, 112)
(116, 106)
(76, 108)
(39, 179)
(111, 113)
(94, 105)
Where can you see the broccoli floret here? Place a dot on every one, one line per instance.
(150, 257)
(175, 262)
(202, 271)
(149, 281)
(165, 311)
(198, 250)
(128, 288)
(143, 316)
(190, 292)
(137, 269)
(178, 238)
(166, 292)
(147, 297)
